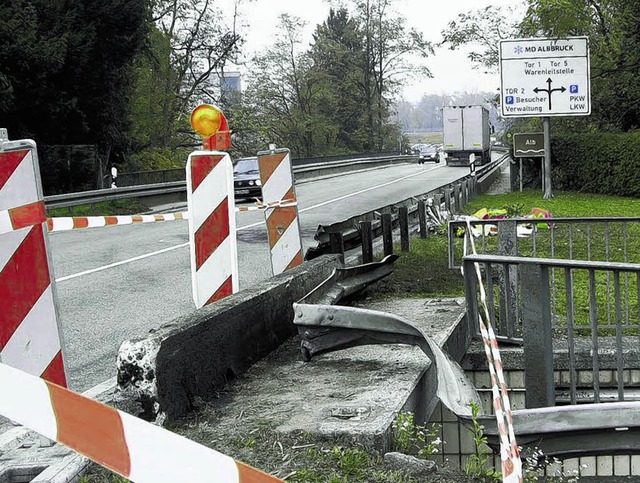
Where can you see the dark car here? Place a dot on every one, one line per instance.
(246, 178)
(428, 153)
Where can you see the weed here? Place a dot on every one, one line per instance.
(415, 439)
(480, 464)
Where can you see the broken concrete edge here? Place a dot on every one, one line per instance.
(187, 361)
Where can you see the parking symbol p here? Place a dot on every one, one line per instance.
(573, 89)
(509, 100)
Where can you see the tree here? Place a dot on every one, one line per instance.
(482, 30)
(614, 39)
(388, 46)
(66, 76)
(336, 52)
(284, 94)
(190, 42)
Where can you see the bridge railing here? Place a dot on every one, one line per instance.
(137, 178)
(586, 347)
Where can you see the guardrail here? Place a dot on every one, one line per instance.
(137, 178)
(452, 196)
(305, 171)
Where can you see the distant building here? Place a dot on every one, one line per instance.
(228, 85)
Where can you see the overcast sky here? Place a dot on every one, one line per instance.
(451, 69)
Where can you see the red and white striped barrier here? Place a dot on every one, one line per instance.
(29, 328)
(212, 226)
(279, 194)
(65, 223)
(129, 446)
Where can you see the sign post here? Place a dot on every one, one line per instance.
(543, 78)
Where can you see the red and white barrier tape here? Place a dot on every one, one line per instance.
(29, 330)
(10, 219)
(129, 446)
(509, 452)
(283, 226)
(79, 222)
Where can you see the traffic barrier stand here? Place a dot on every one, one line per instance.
(30, 337)
(65, 223)
(212, 219)
(129, 446)
(212, 226)
(281, 213)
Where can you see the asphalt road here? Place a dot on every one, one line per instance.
(117, 283)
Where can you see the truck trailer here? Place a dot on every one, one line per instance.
(466, 131)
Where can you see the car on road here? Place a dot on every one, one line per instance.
(246, 178)
(428, 153)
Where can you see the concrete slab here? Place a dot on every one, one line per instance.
(354, 393)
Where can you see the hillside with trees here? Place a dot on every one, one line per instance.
(113, 83)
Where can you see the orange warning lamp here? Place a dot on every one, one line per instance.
(209, 122)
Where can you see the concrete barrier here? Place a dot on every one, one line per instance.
(188, 360)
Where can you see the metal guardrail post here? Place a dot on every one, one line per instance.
(387, 234)
(403, 215)
(422, 217)
(465, 193)
(336, 241)
(456, 197)
(366, 235)
(447, 199)
(538, 342)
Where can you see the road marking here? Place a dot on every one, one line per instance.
(340, 198)
(246, 227)
(123, 262)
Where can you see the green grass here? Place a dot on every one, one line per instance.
(106, 208)
(425, 137)
(423, 271)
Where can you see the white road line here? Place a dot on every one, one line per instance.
(328, 202)
(324, 203)
(123, 262)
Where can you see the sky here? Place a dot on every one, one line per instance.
(451, 70)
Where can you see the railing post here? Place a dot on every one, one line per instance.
(508, 279)
(387, 234)
(456, 195)
(422, 217)
(403, 216)
(465, 193)
(471, 296)
(538, 342)
(447, 199)
(366, 234)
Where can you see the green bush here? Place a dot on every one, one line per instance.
(600, 163)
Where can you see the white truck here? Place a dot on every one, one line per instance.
(466, 131)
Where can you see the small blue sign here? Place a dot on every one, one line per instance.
(573, 89)
(509, 100)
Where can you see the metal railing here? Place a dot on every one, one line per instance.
(584, 238)
(137, 178)
(590, 337)
(163, 188)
